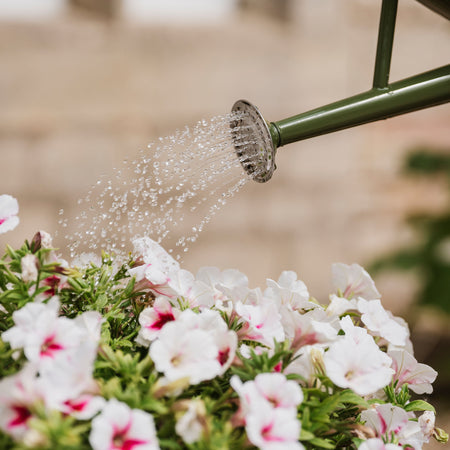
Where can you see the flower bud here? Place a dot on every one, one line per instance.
(41, 239)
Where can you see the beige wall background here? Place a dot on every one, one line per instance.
(81, 91)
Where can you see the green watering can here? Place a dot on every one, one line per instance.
(256, 140)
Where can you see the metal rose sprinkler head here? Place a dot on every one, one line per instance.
(256, 140)
(253, 141)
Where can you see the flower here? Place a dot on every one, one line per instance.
(194, 292)
(306, 329)
(154, 268)
(190, 425)
(408, 371)
(378, 321)
(19, 393)
(289, 291)
(153, 319)
(273, 429)
(9, 208)
(28, 265)
(354, 361)
(118, 427)
(226, 284)
(184, 352)
(377, 444)
(43, 335)
(426, 422)
(393, 424)
(268, 406)
(353, 281)
(261, 323)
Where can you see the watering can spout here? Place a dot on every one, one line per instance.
(256, 140)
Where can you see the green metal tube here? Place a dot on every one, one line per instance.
(385, 41)
(411, 94)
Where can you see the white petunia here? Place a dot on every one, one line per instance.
(19, 393)
(191, 423)
(9, 208)
(226, 284)
(378, 322)
(155, 268)
(28, 267)
(153, 319)
(353, 281)
(273, 429)
(417, 376)
(261, 323)
(377, 444)
(196, 293)
(289, 291)
(44, 336)
(354, 361)
(118, 427)
(309, 328)
(393, 424)
(183, 352)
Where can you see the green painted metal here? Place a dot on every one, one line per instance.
(386, 30)
(384, 100)
(441, 7)
(411, 94)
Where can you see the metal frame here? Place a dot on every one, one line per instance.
(384, 100)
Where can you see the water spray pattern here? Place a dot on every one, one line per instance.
(177, 184)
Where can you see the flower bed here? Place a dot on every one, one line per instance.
(145, 355)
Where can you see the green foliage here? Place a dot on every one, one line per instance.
(430, 257)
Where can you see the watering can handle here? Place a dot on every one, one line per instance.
(441, 7)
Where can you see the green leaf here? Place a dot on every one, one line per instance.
(419, 405)
(306, 435)
(322, 443)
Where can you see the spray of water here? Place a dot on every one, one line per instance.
(169, 192)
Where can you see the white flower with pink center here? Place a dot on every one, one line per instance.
(268, 408)
(289, 291)
(153, 319)
(261, 323)
(379, 323)
(273, 429)
(194, 292)
(307, 363)
(353, 281)
(153, 272)
(354, 361)
(44, 336)
(118, 427)
(393, 424)
(310, 328)
(226, 284)
(408, 371)
(19, 394)
(183, 352)
(9, 208)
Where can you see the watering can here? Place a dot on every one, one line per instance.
(257, 150)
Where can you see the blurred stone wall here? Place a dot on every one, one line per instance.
(78, 95)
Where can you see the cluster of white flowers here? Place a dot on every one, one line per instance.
(200, 346)
(195, 328)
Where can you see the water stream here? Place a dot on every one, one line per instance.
(169, 192)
